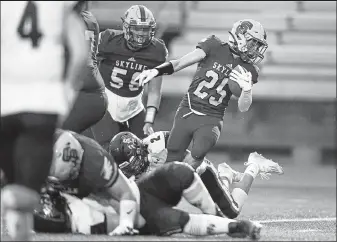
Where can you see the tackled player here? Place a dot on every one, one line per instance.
(123, 56)
(222, 66)
(228, 188)
(80, 163)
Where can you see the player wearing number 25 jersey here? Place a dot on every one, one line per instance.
(33, 95)
(222, 66)
(125, 54)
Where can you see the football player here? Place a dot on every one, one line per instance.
(91, 102)
(228, 188)
(35, 93)
(123, 56)
(224, 69)
(84, 168)
(157, 193)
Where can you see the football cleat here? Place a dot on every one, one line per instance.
(225, 171)
(244, 228)
(266, 166)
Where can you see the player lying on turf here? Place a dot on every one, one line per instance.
(157, 194)
(136, 157)
(84, 167)
(81, 167)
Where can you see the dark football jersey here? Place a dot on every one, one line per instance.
(92, 81)
(98, 169)
(119, 66)
(209, 92)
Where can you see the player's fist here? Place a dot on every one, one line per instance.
(146, 76)
(242, 77)
(123, 230)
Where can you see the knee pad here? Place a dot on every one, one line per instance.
(19, 198)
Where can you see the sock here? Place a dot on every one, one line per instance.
(252, 170)
(239, 196)
(19, 224)
(197, 195)
(205, 224)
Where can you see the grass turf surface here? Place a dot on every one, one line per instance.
(291, 207)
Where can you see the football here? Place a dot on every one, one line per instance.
(233, 85)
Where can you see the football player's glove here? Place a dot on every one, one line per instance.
(52, 214)
(243, 78)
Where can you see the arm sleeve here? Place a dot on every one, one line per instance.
(255, 74)
(99, 169)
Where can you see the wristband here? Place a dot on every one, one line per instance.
(165, 69)
(150, 114)
(127, 212)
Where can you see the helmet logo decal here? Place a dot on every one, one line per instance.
(69, 155)
(243, 27)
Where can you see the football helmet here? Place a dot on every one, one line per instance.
(130, 154)
(139, 26)
(53, 213)
(67, 159)
(248, 39)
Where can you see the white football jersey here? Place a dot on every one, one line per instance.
(156, 143)
(32, 56)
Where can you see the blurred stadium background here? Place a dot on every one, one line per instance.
(293, 115)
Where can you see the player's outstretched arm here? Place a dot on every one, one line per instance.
(121, 190)
(154, 90)
(172, 66)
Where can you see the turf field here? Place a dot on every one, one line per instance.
(300, 205)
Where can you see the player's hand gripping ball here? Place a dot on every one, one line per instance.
(242, 77)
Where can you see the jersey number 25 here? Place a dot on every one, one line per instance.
(117, 76)
(213, 78)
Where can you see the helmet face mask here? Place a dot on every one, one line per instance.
(139, 27)
(248, 40)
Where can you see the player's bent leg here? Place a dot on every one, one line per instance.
(17, 204)
(88, 109)
(256, 164)
(204, 139)
(105, 129)
(197, 195)
(33, 156)
(220, 192)
(136, 124)
(180, 137)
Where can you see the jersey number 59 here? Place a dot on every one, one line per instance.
(117, 76)
(209, 83)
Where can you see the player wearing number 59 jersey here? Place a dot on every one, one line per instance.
(123, 55)
(224, 69)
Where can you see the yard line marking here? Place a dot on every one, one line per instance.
(296, 220)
